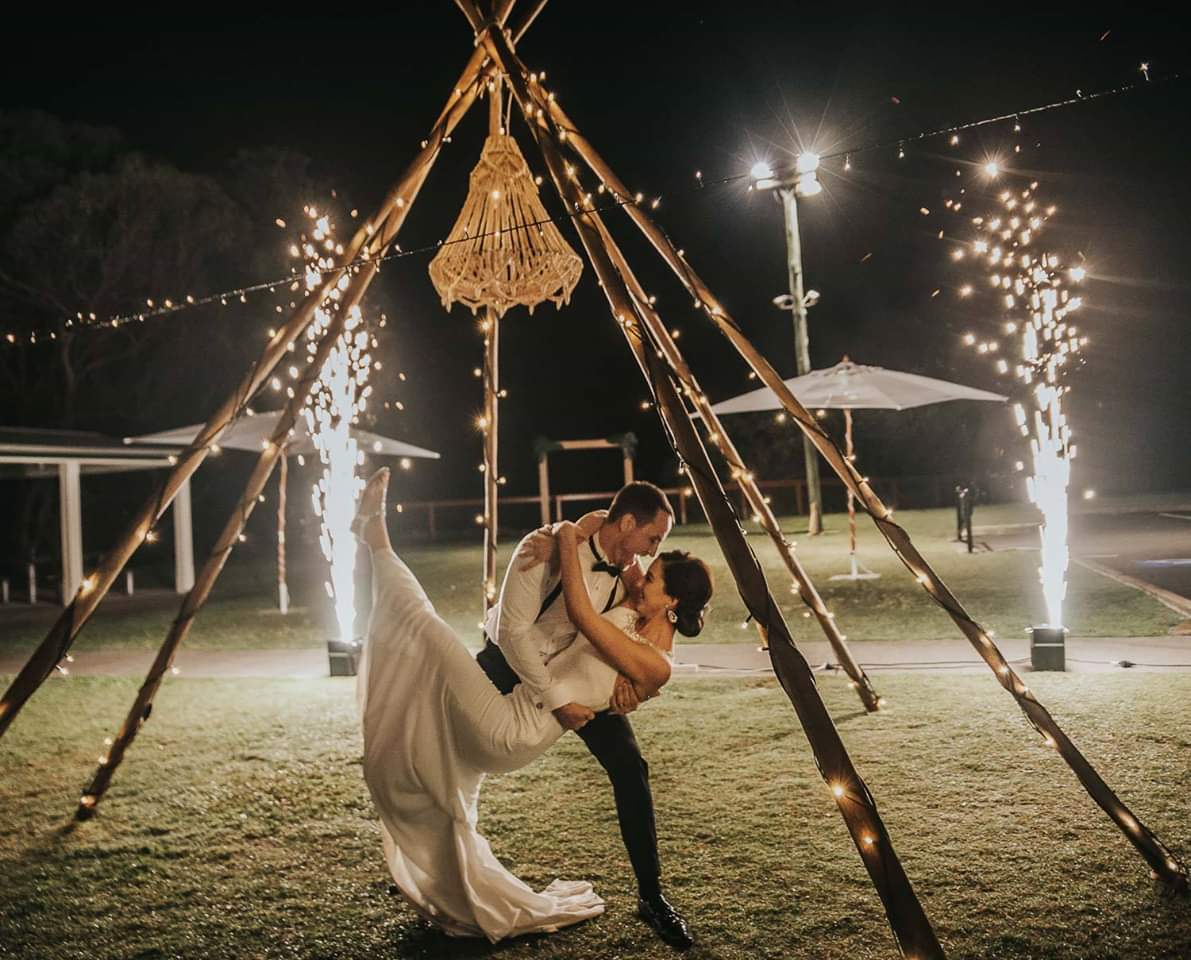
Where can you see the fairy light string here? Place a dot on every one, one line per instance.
(156, 308)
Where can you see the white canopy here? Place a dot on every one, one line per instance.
(853, 386)
(252, 431)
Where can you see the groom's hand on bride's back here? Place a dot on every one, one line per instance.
(539, 547)
(573, 716)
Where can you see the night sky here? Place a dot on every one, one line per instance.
(664, 90)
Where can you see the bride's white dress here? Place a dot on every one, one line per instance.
(433, 726)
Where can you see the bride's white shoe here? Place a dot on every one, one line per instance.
(372, 502)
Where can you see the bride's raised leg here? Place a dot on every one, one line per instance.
(369, 523)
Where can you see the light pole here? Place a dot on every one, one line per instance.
(792, 183)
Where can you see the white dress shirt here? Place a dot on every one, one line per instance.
(529, 641)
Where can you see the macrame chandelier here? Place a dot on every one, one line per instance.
(514, 255)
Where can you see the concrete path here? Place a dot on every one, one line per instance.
(701, 661)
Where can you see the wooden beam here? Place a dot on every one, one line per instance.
(911, 927)
(386, 222)
(1161, 861)
(196, 597)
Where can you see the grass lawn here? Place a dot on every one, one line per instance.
(240, 826)
(1000, 589)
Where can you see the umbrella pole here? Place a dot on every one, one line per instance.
(851, 502)
(856, 570)
(282, 587)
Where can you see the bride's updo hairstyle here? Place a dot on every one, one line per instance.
(688, 580)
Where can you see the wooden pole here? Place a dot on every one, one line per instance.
(274, 449)
(911, 927)
(491, 467)
(751, 495)
(273, 452)
(282, 585)
(491, 328)
(530, 17)
(755, 500)
(1162, 863)
(387, 220)
(544, 488)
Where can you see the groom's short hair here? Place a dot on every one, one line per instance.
(641, 499)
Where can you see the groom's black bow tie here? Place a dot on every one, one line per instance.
(603, 566)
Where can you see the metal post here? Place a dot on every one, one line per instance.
(70, 513)
(183, 540)
(802, 350)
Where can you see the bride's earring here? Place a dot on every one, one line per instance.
(672, 616)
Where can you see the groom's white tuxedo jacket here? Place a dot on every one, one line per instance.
(529, 641)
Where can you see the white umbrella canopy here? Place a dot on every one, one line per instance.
(251, 432)
(854, 386)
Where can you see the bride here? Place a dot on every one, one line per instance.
(434, 725)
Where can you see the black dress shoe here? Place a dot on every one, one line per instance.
(665, 920)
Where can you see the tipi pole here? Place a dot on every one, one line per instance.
(910, 924)
(282, 585)
(528, 21)
(265, 464)
(491, 467)
(719, 438)
(1161, 861)
(544, 488)
(95, 587)
(491, 329)
(805, 587)
(273, 451)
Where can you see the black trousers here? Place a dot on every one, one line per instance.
(610, 739)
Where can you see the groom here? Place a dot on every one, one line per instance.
(529, 626)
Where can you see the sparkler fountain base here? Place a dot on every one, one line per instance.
(1048, 648)
(344, 656)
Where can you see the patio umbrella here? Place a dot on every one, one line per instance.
(252, 431)
(851, 386)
